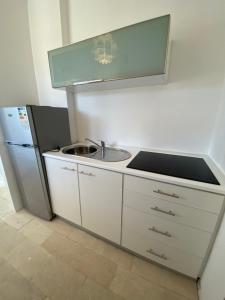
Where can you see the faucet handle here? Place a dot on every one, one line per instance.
(102, 144)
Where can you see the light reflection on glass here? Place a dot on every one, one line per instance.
(104, 49)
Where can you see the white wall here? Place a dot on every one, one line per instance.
(179, 115)
(217, 149)
(212, 282)
(46, 34)
(17, 80)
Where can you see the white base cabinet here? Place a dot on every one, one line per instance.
(64, 189)
(169, 224)
(101, 201)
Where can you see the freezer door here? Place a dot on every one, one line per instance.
(30, 177)
(15, 125)
(51, 125)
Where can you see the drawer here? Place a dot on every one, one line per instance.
(175, 235)
(185, 215)
(58, 164)
(176, 194)
(162, 253)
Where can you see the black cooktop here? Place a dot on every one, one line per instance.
(186, 167)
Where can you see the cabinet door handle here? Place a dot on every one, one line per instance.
(166, 194)
(166, 233)
(87, 81)
(167, 212)
(162, 256)
(69, 169)
(85, 173)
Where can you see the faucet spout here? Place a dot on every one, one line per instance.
(101, 146)
(93, 142)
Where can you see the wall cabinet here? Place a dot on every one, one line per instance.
(138, 50)
(64, 190)
(101, 201)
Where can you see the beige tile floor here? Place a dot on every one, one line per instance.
(6, 207)
(53, 260)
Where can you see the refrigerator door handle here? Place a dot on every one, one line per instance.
(29, 146)
(21, 145)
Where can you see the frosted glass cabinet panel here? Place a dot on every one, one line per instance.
(133, 51)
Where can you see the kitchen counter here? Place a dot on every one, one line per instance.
(121, 167)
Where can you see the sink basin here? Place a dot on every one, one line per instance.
(82, 150)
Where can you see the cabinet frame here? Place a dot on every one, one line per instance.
(139, 77)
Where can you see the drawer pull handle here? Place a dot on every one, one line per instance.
(84, 173)
(162, 256)
(168, 212)
(166, 194)
(166, 233)
(69, 169)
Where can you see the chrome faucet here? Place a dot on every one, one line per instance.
(102, 146)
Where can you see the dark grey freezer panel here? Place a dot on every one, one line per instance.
(51, 126)
(15, 125)
(29, 172)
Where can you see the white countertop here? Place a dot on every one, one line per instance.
(121, 167)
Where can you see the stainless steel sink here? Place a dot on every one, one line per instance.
(82, 150)
(106, 154)
(112, 154)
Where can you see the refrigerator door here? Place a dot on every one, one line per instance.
(15, 125)
(30, 177)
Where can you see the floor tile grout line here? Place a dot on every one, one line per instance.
(25, 224)
(25, 278)
(90, 249)
(86, 277)
(179, 294)
(99, 254)
(164, 287)
(117, 266)
(157, 284)
(30, 279)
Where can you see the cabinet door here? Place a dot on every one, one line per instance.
(101, 201)
(133, 51)
(64, 190)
